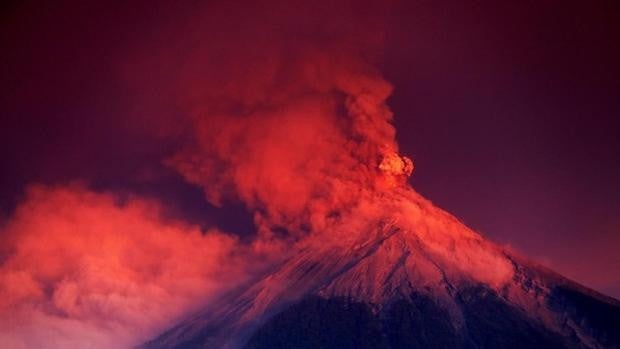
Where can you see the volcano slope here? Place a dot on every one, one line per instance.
(399, 272)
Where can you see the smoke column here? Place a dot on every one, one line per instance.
(279, 113)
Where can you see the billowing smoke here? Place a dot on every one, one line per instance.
(282, 110)
(91, 270)
(290, 118)
(304, 157)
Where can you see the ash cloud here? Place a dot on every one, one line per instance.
(278, 107)
(88, 270)
(287, 115)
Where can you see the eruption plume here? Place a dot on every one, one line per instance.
(284, 116)
(287, 117)
(299, 139)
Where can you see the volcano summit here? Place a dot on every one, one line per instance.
(402, 274)
(227, 174)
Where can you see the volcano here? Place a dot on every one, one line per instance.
(401, 273)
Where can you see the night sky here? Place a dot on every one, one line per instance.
(509, 109)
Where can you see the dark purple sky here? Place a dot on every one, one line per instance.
(510, 110)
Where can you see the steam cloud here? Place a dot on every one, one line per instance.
(281, 113)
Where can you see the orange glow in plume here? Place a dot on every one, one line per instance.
(396, 169)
